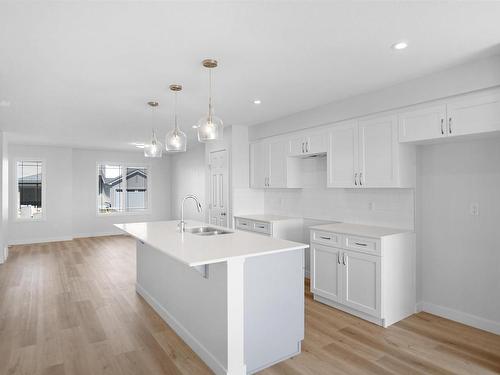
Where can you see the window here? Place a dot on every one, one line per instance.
(122, 188)
(30, 189)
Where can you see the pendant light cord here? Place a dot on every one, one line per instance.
(175, 111)
(210, 94)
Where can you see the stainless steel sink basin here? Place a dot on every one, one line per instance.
(207, 231)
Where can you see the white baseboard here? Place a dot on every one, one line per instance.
(29, 241)
(460, 317)
(197, 347)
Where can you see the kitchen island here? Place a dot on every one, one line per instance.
(237, 298)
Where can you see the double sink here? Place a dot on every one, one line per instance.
(207, 231)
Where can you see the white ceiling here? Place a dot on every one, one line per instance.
(80, 73)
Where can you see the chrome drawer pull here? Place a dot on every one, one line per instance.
(338, 258)
(325, 238)
(360, 244)
(260, 226)
(442, 130)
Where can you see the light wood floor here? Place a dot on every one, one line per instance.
(71, 308)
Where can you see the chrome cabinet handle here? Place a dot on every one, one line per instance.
(260, 226)
(343, 258)
(302, 147)
(338, 257)
(360, 178)
(307, 146)
(355, 179)
(442, 129)
(449, 125)
(360, 244)
(325, 238)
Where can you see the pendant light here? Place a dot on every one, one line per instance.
(175, 141)
(210, 127)
(153, 149)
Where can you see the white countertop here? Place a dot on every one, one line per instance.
(359, 229)
(267, 218)
(195, 250)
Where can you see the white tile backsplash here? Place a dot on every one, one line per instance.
(381, 207)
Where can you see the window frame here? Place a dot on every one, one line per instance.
(43, 216)
(124, 167)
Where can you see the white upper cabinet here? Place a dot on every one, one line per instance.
(367, 153)
(424, 123)
(474, 114)
(259, 164)
(277, 164)
(268, 164)
(465, 115)
(308, 144)
(342, 162)
(378, 152)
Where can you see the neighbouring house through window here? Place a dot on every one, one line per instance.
(30, 184)
(122, 188)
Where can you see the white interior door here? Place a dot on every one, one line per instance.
(219, 188)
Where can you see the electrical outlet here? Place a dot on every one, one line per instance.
(474, 209)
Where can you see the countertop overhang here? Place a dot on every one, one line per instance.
(194, 250)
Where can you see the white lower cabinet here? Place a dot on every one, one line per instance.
(361, 281)
(327, 272)
(376, 281)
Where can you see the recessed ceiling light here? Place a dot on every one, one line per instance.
(399, 45)
(257, 101)
(195, 126)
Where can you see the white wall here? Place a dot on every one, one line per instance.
(71, 188)
(56, 224)
(85, 220)
(4, 196)
(188, 177)
(460, 253)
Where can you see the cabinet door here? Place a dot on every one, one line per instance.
(296, 146)
(326, 271)
(378, 157)
(475, 114)
(361, 282)
(422, 124)
(316, 143)
(277, 163)
(259, 164)
(343, 155)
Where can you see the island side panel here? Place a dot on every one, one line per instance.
(194, 306)
(274, 308)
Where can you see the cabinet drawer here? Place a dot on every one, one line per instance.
(325, 238)
(364, 244)
(262, 227)
(243, 224)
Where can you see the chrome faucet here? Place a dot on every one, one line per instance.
(182, 223)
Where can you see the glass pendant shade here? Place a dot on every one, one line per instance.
(176, 139)
(153, 149)
(210, 128)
